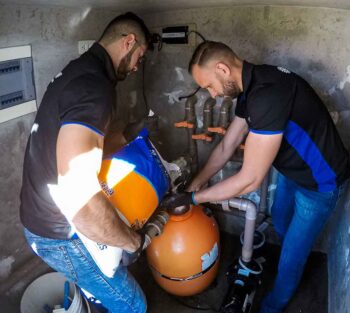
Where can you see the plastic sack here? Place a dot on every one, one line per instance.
(135, 181)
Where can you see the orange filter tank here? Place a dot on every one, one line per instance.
(184, 259)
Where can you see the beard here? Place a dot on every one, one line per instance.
(229, 88)
(123, 69)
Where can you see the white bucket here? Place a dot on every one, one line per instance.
(49, 290)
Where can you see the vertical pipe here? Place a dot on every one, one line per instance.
(249, 229)
(190, 117)
(224, 118)
(263, 194)
(248, 242)
(208, 114)
(193, 152)
(273, 185)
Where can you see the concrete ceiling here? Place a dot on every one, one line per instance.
(165, 5)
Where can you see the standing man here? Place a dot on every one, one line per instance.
(65, 151)
(287, 126)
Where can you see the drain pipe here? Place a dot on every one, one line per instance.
(250, 208)
(192, 147)
(263, 194)
(208, 114)
(207, 121)
(190, 124)
(224, 118)
(190, 116)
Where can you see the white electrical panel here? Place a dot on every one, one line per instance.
(17, 88)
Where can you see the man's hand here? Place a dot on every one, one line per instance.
(195, 186)
(178, 199)
(130, 257)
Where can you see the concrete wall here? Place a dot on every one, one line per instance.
(53, 34)
(309, 41)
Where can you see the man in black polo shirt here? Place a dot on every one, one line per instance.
(60, 192)
(287, 126)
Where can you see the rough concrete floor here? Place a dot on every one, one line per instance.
(311, 296)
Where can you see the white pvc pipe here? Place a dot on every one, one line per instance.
(250, 218)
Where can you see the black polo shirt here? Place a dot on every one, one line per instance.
(83, 93)
(275, 100)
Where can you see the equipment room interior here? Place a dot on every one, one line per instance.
(201, 251)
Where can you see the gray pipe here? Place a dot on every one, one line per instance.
(190, 117)
(250, 218)
(263, 194)
(271, 192)
(208, 114)
(193, 152)
(224, 118)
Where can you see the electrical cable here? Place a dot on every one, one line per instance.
(160, 44)
(190, 95)
(198, 34)
(193, 93)
(156, 38)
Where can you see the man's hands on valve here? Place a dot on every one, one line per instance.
(152, 229)
(130, 257)
(177, 199)
(196, 186)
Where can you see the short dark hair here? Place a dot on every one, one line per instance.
(123, 25)
(209, 50)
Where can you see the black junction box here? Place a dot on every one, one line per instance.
(175, 35)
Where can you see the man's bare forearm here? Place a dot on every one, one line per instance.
(232, 187)
(222, 153)
(215, 163)
(99, 221)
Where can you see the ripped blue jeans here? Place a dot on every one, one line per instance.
(298, 216)
(120, 294)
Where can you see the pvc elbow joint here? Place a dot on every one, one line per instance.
(245, 205)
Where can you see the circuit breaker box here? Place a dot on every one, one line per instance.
(17, 88)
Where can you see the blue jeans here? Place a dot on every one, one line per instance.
(299, 216)
(70, 257)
